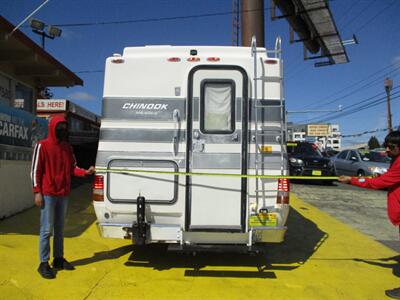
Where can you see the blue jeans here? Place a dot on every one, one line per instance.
(52, 215)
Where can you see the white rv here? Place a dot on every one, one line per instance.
(179, 110)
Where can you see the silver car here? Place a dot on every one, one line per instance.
(355, 163)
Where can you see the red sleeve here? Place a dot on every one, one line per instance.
(387, 180)
(37, 168)
(76, 171)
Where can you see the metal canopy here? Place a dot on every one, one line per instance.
(313, 22)
(20, 56)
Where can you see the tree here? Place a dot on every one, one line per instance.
(373, 143)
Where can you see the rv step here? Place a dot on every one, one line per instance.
(268, 106)
(216, 248)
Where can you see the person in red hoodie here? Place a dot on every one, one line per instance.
(389, 180)
(53, 163)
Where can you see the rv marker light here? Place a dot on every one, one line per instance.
(213, 59)
(117, 60)
(174, 59)
(191, 59)
(271, 61)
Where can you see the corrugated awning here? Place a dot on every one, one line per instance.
(22, 57)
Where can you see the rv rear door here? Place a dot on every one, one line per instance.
(217, 143)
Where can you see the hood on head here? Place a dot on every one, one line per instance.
(52, 127)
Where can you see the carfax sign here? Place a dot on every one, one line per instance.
(20, 128)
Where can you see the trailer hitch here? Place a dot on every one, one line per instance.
(140, 228)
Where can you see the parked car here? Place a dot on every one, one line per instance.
(305, 159)
(329, 152)
(356, 163)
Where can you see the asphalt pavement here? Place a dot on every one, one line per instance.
(362, 209)
(321, 258)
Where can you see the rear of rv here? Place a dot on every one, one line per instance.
(186, 136)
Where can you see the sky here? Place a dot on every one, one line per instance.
(84, 49)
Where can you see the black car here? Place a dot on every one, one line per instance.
(305, 159)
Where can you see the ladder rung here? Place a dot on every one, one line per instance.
(269, 134)
(268, 106)
(269, 78)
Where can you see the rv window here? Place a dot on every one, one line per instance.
(217, 106)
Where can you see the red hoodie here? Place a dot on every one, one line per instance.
(53, 163)
(391, 181)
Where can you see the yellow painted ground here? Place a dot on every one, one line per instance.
(321, 259)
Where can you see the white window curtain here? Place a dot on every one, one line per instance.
(217, 107)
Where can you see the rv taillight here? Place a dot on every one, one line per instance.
(283, 185)
(283, 191)
(213, 59)
(174, 59)
(271, 61)
(98, 188)
(193, 58)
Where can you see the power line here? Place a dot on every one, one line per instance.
(364, 132)
(354, 84)
(375, 16)
(364, 102)
(147, 20)
(89, 71)
(358, 109)
(368, 6)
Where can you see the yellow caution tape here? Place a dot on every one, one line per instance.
(104, 170)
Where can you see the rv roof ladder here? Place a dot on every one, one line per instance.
(266, 133)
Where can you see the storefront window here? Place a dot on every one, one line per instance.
(5, 90)
(24, 97)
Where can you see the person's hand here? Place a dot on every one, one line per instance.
(344, 179)
(38, 199)
(90, 171)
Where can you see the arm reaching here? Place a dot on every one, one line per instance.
(90, 171)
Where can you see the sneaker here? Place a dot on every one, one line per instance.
(46, 271)
(393, 293)
(60, 263)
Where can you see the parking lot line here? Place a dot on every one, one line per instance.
(321, 258)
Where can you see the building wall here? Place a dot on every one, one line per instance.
(15, 186)
(19, 131)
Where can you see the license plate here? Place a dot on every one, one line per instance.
(269, 219)
(316, 173)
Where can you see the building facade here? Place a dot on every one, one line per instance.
(26, 70)
(327, 136)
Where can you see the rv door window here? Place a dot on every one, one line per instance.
(217, 106)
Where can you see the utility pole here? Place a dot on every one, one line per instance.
(252, 22)
(388, 83)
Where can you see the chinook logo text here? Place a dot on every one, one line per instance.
(146, 106)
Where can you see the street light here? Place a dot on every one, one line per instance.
(38, 28)
(388, 83)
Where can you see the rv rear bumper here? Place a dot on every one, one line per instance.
(166, 233)
(269, 234)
